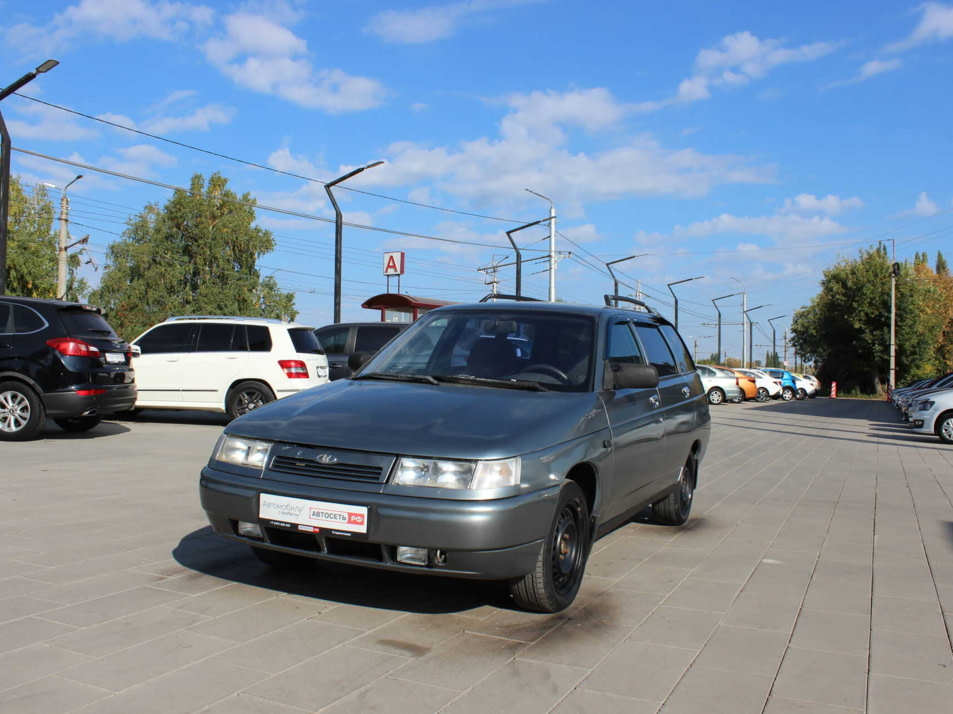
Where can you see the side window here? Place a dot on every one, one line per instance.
(25, 320)
(215, 337)
(622, 346)
(6, 318)
(659, 355)
(167, 338)
(333, 339)
(683, 357)
(371, 339)
(259, 339)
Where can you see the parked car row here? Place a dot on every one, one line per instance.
(927, 405)
(724, 384)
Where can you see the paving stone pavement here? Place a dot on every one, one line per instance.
(815, 576)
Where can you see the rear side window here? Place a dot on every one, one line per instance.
(20, 320)
(656, 349)
(683, 357)
(218, 337)
(305, 341)
(333, 340)
(165, 339)
(86, 323)
(371, 339)
(259, 339)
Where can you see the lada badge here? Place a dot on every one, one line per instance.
(326, 459)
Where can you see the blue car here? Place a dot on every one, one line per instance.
(789, 388)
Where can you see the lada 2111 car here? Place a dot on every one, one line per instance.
(492, 441)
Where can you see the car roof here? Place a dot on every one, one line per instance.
(236, 318)
(513, 306)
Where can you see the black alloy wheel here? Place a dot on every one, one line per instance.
(247, 396)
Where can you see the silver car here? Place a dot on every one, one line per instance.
(720, 385)
(488, 441)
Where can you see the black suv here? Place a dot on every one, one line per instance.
(341, 341)
(60, 360)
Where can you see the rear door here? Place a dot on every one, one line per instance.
(160, 363)
(219, 359)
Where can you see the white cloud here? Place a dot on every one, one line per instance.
(923, 207)
(260, 55)
(936, 25)
(202, 119)
(436, 22)
(870, 69)
(47, 123)
(781, 228)
(118, 20)
(138, 160)
(830, 204)
(735, 61)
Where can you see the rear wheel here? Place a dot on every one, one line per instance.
(716, 395)
(21, 412)
(787, 394)
(944, 428)
(674, 509)
(801, 393)
(553, 584)
(78, 424)
(763, 395)
(246, 396)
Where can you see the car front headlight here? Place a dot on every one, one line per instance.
(472, 475)
(240, 451)
(923, 406)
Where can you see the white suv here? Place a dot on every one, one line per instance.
(225, 364)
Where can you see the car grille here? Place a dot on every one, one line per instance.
(340, 464)
(301, 467)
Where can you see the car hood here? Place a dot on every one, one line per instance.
(441, 421)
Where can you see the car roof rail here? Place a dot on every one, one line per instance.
(503, 296)
(614, 300)
(225, 317)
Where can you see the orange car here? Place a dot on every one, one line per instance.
(747, 384)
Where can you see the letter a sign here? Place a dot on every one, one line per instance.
(394, 263)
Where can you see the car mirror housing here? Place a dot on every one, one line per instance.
(624, 375)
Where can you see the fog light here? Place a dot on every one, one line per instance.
(917, 423)
(411, 556)
(249, 530)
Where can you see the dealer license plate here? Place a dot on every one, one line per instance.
(115, 357)
(315, 514)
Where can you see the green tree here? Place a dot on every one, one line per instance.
(197, 255)
(846, 328)
(941, 266)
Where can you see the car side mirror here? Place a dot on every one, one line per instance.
(357, 360)
(136, 350)
(625, 375)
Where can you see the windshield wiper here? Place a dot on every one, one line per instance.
(488, 382)
(394, 377)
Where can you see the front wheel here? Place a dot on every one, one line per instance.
(553, 584)
(674, 509)
(763, 395)
(21, 412)
(78, 424)
(944, 428)
(247, 396)
(716, 395)
(787, 394)
(801, 393)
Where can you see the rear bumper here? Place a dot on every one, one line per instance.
(69, 403)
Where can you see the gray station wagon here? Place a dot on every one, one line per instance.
(493, 441)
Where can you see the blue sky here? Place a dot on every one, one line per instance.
(752, 143)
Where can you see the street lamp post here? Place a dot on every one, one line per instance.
(61, 256)
(750, 335)
(339, 234)
(715, 303)
(744, 321)
(615, 280)
(5, 147)
(774, 337)
(552, 245)
(679, 282)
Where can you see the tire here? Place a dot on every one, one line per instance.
(246, 396)
(278, 560)
(944, 427)
(801, 394)
(553, 584)
(716, 395)
(763, 395)
(21, 412)
(787, 394)
(674, 509)
(79, 424)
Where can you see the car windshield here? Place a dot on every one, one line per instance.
(493, 349)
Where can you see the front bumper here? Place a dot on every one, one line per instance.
(487, 540)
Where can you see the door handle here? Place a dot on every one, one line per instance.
(654, 400)
(687, 392)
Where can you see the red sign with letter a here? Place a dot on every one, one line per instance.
(394, 263)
